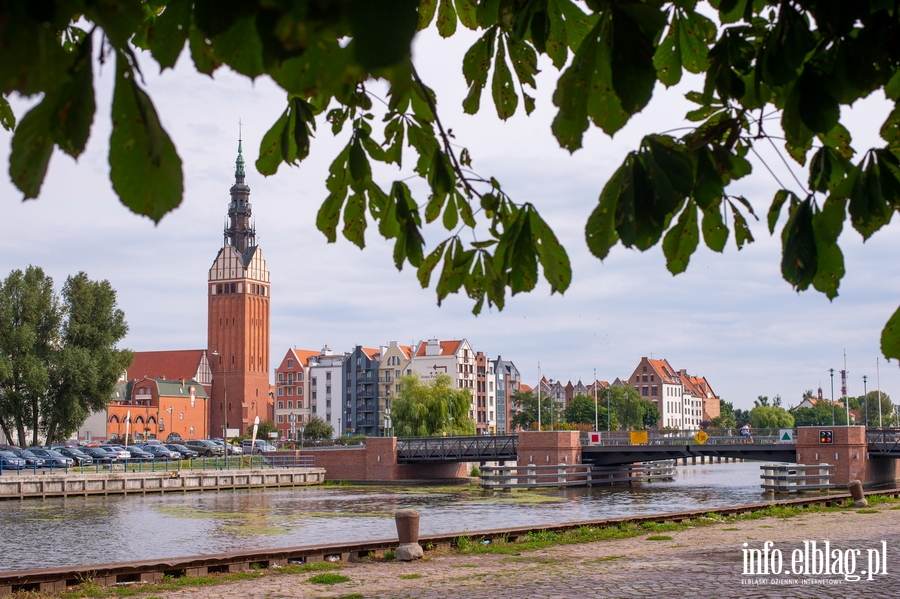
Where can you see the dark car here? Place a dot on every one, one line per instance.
(100, 456)
(186, 453)
(10, 460)
(81, 458)
(52, 457)
(205, 447)
(161, 452)
(139, 454)
(31, 460)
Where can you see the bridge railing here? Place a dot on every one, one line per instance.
(445, 448)
(690, 437)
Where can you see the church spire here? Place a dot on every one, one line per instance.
(239, 231)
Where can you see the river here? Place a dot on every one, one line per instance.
(94, 530)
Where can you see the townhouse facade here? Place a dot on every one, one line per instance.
(360, 373)
(292, 409)
(455, 359)
(508, 382)
(326, 388)
(396, 362)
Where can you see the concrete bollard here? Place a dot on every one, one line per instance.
(856, 492)
(408, 532)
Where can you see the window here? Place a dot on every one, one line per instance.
(290, 363)
(645, 369)
(328, 376)
(312, 381)
(313, 397)
(327, 403)
(327, 389)
(299, 390)
(290, 405)
(181, 416)
(290, 390)
(280, 390)
(280, 419)
(280, 403)
(299, 376)
(219, 289)
(280, 377)
(644, 391)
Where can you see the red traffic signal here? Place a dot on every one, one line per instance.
(826, 437)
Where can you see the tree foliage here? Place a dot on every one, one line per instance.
(726, 418)
(583, 410)
(527, 404)
(427, 408)
(58, 360)
(631, 410)
(869, 408)
(763, 416)
(820, 414)
(262, 432)
(772, 72)
(316, 429)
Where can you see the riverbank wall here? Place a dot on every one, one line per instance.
(77, 484)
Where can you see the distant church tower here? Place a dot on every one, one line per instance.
(238, 331)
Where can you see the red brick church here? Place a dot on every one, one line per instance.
(233, 370)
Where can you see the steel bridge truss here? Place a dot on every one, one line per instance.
(457, 449)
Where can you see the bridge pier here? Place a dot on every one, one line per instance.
(848, 451)
(549, 447)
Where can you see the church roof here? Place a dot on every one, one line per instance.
(173, 365)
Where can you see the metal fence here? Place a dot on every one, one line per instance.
(692, 437)
(470, 448)
(230, 463)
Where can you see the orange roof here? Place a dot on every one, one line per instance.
(371, 353)
(448, 348)
(303, 355)
(525, 388)
(664, 370)
(173, 365)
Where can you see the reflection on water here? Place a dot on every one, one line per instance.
(95, 530)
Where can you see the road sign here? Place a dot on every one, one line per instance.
(826, 437)
(639, 437)
(593, 438)
(701, 437)
(786, 435)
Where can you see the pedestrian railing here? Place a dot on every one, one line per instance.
(691, 437)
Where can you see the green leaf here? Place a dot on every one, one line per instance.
(635, 28)
(427, 267)
(145, 169)
(213, 17)
(600, 231)
(827, 169)
(7, 118)
(502, 89)
(839, 139)
(168, 33)
(742, 233)
(655, 199)
(799, 261)
(681, 240)
(467, 10)
(890, 130)
(798, 137)
(382, 31)
(270, 147)
(355, 219)
(118, 19)
(329, 215)
(202, 52)
(827, 225)
(667, 58)
(446, 18)
(708, 185)
(695, 35)
(74, 104)
(451, 214)
(524, 61)
(715, 233)
(409, 240)
(360, 170)
(672, 160)
(476, 64)
(32, 146)
(240, 48)
(869, 208)
(574, 88)
(818, 108)
(551, 254)
(890, 337)
(556, 46)
(427, 8)
(781, 196)
(786, 46)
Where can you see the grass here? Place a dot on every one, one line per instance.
(867, 511)
(659, 538)
(328, 578)
(410, 576)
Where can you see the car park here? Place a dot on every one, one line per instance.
(10, 460)
(139, 454)
(260, 447)
(205, 447)
(232, 449)
(31, 460)
(121, 452)
(186, 453)
(52, 458)
(81, 458)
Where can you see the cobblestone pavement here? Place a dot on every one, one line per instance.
(706, 562)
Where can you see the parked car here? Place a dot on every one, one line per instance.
(81, 458)
(100, 456)
(186, 453)
(121, 452)
(52, 457)
(205, 447)
(232, 449)
(161, 452)
(261, 446)
(31, 460)
(10, 460)
(139, 454)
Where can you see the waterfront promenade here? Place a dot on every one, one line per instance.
(698, 562)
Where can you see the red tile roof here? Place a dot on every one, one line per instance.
(448, 348)
(173, 365)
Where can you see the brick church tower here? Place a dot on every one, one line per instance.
(238, 332)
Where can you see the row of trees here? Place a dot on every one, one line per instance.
(58, 356)
(627, 410)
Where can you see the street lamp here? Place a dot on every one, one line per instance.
(215, 354)
(831, 372)
(866, 399)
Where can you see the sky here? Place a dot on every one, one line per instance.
(730, 317)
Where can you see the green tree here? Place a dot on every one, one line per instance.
(58, 360)
(763, 416)
(526, 406)
(773, 72)
(869, 406)
(726, 418)
(426, 408)
(317, 429)
(820, 414)
(262, 432)
(629, 408)
(581, 411)
(651, 414)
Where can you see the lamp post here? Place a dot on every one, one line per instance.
(171, 420)
(215, 354)
(866, 399)
(831, 372)
(607, 407)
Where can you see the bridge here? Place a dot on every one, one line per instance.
(495, 448)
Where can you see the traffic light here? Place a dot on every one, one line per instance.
(826, 437)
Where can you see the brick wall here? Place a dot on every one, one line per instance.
(848, 453)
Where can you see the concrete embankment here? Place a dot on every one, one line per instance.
(25, 486)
